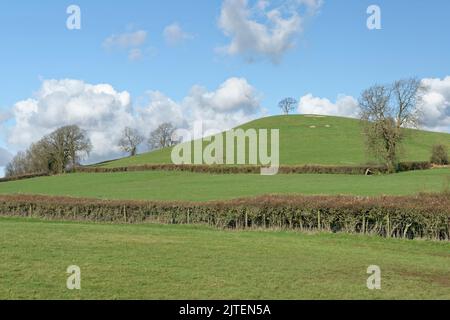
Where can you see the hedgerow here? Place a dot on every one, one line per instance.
(233, 169)
(252, 169)
(23, 177)
(414, 165)
(422, 216)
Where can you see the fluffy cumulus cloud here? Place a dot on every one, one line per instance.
(130, 41)
(174, 34)
(99, 109)
(5, 157)
(261, 30)
(234, 102)
(436, 104)
(4, 115)
(435, 113)
(346, 106)
(104, 112)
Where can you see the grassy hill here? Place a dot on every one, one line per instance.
(316, 140)
(196, 262)
(304, 140)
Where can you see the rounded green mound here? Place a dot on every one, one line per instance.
(310, 139)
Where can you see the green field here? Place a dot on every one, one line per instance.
(150, 261)
(167, 185)
(317, 140)
(186, 262)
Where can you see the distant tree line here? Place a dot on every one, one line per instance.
(54, 153)
(65, 147)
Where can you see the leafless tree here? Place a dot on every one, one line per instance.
(287, 105)
(54, 153)
(66, 146)
(386, 109)
(130, 141)
(162, 137)
(18, 165)
(407, 95)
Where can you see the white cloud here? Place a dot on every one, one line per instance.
(97, 108)
(5, 157)
(126, 40)
(131, 41)
(345, 106)
(174, 34)
(4, 116)
(135, 54)
(234, 102)
(435, 115)
(262, 32)
(436, 104)
(104, 112)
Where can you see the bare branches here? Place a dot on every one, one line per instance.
(162, 137)
(130, 140)
(374, 103)
(386, 109)
(54, 153)
(407, 95)
(287, 105)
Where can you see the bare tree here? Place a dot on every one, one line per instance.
(66, 146)
(18, 165)
(130, 141)
(386, 109)
(162, 137)
(77, 143)
(407, 95)
(287, 105)
(54, 153)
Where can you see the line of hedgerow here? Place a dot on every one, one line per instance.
(252, 169)
(242, 169)
(421, 216)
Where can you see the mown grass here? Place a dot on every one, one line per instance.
(316, 140)
(163, 185)
(189, 262)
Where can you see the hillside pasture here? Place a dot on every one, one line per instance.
(190, 262)
(321, 140)
(165, 185)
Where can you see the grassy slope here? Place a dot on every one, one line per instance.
(186, 262)
(197, 186)
(341, 143)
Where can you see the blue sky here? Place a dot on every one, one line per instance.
(333, 52)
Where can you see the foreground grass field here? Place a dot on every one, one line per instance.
(187, 262)
(316, 140)
(164, 185)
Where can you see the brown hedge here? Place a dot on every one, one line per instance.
(225, 169)
(23, 177)
(251, 169)
(422, 216)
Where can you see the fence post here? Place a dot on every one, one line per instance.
(319, 227)
(246, 220)
(364, 223)
(388, 226)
